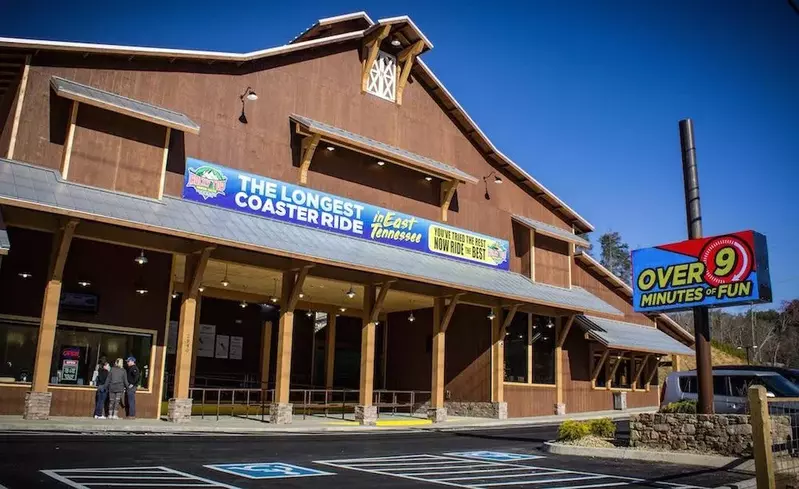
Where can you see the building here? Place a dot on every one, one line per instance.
(318, 215)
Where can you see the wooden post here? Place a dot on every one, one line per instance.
(497, 356)
(675, 363)
(309, 145)
(371, 46)
(266, 353)
(164, 159)
(447, 192)
(437, 385)
(532, 255)
(406, 58)
(196, 344)
(62, 240)
(23, 86)
(367, 348)
(761, 437)
(285, 333)
(562, 333)
(67, 154)
(330, 350)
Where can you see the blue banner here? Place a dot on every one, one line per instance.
(225, 187)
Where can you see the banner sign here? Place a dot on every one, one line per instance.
(225, 187)
(716, 272)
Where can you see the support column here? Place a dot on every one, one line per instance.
(180, 404)
(266, 352)
(498, 364)
(281, 411)
(196, 345)
(438, 412)
(675, 363)
(37, 401)
(563, 328)
(365, 411)
(330, 350)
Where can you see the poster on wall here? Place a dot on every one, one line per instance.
(222, 346)
(236, 347)
(69, 371)
(172, 341)
(205, 338)
(717, 271)
(220, 186)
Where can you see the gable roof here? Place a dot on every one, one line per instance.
(421, 72)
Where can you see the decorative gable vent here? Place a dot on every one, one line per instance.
(383, 77)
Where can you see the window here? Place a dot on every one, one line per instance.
(77, 350)
(720, 386)
(383, 77)
(543, 344)
(17, 350)
(688, 385)
(516, 345)
(622, 377)
(602, 376)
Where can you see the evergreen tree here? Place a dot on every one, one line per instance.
(615, 256)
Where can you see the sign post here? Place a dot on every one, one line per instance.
(693, 213)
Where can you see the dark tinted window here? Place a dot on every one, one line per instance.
(688, 385)
(739, 384)
(720, 385)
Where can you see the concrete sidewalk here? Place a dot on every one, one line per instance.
(312, 424)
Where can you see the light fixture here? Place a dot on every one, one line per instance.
(428, 178)
(342, 309)
(25, 275)
(273, 297)
(550, 324)
(201, 289)
(141, 259)
(250, 95)
(225, 282)
(243, 304)
(300, 295)
(497, 179)
(309, 313)
(396, 43)
(331, 148)
(141, 290)
(174, 295)
(411, 317)
(381, 163)
(350, 293)
(491, 315)
(84, 283)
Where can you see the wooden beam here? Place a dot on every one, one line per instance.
(297, 279)
(449, 312)
(653, 372)
(407, 57)
(67, 153)
(23, 85)
(381, 298)
(163, 163)
(641, 370)
(330, 351)
(371, 46)
(598, 366)
(619, 359)
(309, 145)
(509, 317)
(564, 332)
(439, 337)
(675, 363)
(285, 337)
(447, 192)
(194, 271)
(532, 255)
(266, 353)
(366, 385)
(62, 240)
(497, 357)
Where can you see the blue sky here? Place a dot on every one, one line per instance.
(585, 95)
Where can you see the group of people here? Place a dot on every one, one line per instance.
(113, 383)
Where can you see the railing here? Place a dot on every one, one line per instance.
(775, 436)
(247, 402)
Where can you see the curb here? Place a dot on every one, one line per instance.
(714, 461)
(746, 484)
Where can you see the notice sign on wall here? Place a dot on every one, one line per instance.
(206, 338)
(232, 189)
(222, 346)
(236, 347)
(716, 271)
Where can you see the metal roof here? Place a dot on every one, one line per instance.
(118, 103)
(629, 336)
(5, 243)
(420, 162)
(42, 189)
(553, 231)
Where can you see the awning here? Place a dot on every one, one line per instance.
(42, 189)
(628, 336)
(382, 150)
(551, 231)
(123, 105)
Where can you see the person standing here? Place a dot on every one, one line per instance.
(101, 381)
(117, 380)
(133, 383)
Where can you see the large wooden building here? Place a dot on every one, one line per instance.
(319, 215)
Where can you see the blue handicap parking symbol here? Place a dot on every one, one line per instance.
(494, 456)
(267, 470)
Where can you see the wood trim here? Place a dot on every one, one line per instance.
(67, 152)
(530, 385)
(163, 163)
(509, 317)
(266, 353)
(598, 366)
(284, 341)
(297, 279)
(571, 262)
(619, 359)
(675, 363)
(172, 267)
(371, 46)
(62, 240)
(407, 56)
(309, 145)
(564, 331)
(23, 85)
(438, 356)
(652, 373)
(366, 384)
(449, 312)
(530, 348)
(640, 370)
(532, 254)
(447, 192)
(330, 351)
(196, 271)
(381, 298)
(497, 356)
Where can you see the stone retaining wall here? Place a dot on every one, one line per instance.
(726, 434)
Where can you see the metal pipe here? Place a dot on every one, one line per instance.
(693, 213)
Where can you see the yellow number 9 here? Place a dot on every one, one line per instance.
(725, 262)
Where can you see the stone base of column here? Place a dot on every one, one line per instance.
(37, 405)
(560, 409)
(437, 415)
(281, 413)
(179, 410)
(500, 410)
(366, 415)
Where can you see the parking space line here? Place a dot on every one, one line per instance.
(544, 481)
(95, 478)
(542, 472)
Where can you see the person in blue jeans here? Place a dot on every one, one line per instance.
(102, 389)
(133, 383)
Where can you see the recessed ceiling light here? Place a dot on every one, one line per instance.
(141, 291)
(25, 275)
(342, 309)
(301, 295)
(381, 163)
(396, 43)
(84, 283)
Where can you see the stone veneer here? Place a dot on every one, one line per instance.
(37, 405)
(179, 410)
(281, 413)
(366, 415)
(492, 410)
(726, 434)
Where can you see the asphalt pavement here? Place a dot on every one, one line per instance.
(469, 459)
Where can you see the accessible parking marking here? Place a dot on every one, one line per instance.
(473, 473)
(150, 477)
(267, 470)
(495, 456)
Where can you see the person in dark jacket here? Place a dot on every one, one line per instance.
(117, 381)
(102, 389)
(133, 383)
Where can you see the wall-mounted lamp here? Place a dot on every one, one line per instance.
(250, 95)
(497, 180)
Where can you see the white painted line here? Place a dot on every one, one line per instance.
(425, 462)
(500, 476)
(418, 479)
(388, 458)
(146, 477)
(568, 479)
(452, 465)
(612, 484)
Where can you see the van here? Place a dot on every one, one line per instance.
(730, 388)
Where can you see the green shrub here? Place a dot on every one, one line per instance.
(573, 430)
(602, 427)
(685, 407)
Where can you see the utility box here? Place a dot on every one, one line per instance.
(620, 401)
